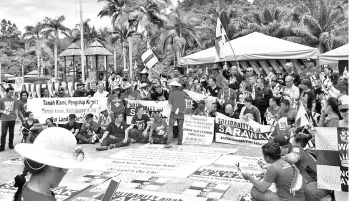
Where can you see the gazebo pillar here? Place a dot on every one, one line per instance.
(64, 76)
(97, 70)
(73, 69)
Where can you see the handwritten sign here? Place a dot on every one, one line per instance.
(198, 130)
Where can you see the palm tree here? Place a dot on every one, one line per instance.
(89, 32)
(52, 28)
(37, 43)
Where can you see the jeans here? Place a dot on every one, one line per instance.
(271, 196)
(137, 135)
(180, 120)
(10, 126)
(84, 138)
(313, 193)
(116, 142)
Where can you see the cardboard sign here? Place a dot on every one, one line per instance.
(198, 130)
(190, 148)
(206, 190)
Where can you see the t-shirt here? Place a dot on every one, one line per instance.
(219, 80)
(75, 126)
(90, 93)
(177, 99)
(200, 112)
(331, 122)
(80, 93)
(281, 173)
(214, 92)
(93, 127)
(306, 164)
(271, 115)
(155, 96)
(8, 106)
(104, 121)
(30, 195)
(117, 131)
(289, 114)
(159, 128)
(307, 99)
(140, 123)
(227, 95)
(22, 106)
(252, 113)
(116, 104)
(101, 95)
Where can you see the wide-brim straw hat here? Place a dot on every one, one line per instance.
(343, 102)
(174, 83)
(55, 147)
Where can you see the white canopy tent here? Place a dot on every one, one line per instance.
(333, 56)
(254, 46)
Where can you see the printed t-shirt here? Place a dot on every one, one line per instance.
(281, 173)
(200, 112)
(75, 126)
(214, 92)
(252, 113)
(140, 123)
(159, 128)
(133, 95)
(271, 115)
(117, 131)
(30, 195)
(116, 104)
(8, 106)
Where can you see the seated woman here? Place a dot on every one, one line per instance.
(49, 123)
(279, 172)
(139, 128)
(158, 130)
(34, 132)
(28, 124)
(115, 134)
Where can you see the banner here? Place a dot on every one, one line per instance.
(14, 161)
(146, 182)
(150, 108)
(198, 130)
(206, 190)
(229, 130)
(189, 148)
(68, 190)
(7, 190)
(96, 177)
(245, 162)
(18, 84)
(60, 108)
(332, 158)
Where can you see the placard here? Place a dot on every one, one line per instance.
(190, 148)
(166, 156)
(220, 174)
(332, 158)
(198, 130)
(146, 182)
(231, 131)
(14, 161)
(150, 108)
(206, 190)
(60, 108)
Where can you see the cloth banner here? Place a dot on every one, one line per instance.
(198, 149)
(150, 108)
(198, 130)
(197, 97)
(332, 158)
(18, 84)
(60, 108)
(229, 130)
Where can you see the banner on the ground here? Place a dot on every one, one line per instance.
(166, 157)
(245, 162)
(190, 148)
(229, 130)
(146, 182)
(150, 108)
(68, 190)
(198, 130)
(96, 177)
(59, 108)
(14, 161)
(206, 190)
(7, 189)
(332, 158)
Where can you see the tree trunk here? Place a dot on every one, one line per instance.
(130, 55)
(123, 54)
(114, 57)
(38, 63)
(56, 67)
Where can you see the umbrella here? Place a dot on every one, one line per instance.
(96, 49)
(73, 50)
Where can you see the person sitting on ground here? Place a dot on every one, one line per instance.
(158, 130)
(139, 128)
(88, 130)
(284, 142)
(249, 111)
(115, 134)
(34, 132)
(72, 125)
(201, 110)
(103, 121)
(279, 172)
(28, 124)
(80, 91)
(50, 123)
(230, 112)
(100, 93)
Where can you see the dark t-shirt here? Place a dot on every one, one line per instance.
(140, 123)
(29, 195)
(22, 106)
(117, 131)
(90, 93)
(155, 96)
(80, 93)
(72, 127)
(214, 92)
(116, 104)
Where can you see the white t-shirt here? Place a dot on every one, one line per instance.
(101, 95)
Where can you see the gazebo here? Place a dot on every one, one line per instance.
(73, 50)
(96, 49)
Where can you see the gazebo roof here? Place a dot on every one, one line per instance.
(72, 50)
(96, 49)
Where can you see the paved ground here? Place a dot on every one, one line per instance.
(176, 185)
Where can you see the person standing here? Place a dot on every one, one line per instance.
(307, 96)
(213, 89)
(291, 92)
(179, 100)
(290, 72)
(100, 93)
(273, 112)
(262, 96)
(9, 115)
(218, 75)
(235, 78)
(330, 113)
(226, 94)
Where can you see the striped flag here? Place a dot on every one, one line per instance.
(221, 38)
(301, 117)
(149, 58)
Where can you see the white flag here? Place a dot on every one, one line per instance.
(149, 58)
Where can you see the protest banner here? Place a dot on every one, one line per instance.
(245, 162)
(206, 190)
(96, 177)
(332, 158)
(146, 182)
(7, 189)
(60, 108)
(67, 190)
(156, 168)
(14, 161)
(19, 81)
(230, 131)
(223, 175)
(198, 130)
(150, 108)
(197, 97)
(166, 156)
(190, 148)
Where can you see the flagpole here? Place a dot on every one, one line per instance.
(82, 44)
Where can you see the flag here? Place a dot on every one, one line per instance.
(221, 38)
(140, 29)
(301, 117)
(149, 58)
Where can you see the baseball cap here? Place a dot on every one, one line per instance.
(282, 140)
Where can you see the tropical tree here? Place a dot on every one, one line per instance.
(89, 33)
(37, 43)
(52, 28)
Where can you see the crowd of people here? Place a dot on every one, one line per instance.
(266, 99)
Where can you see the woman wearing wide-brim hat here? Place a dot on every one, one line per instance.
(48, 159)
